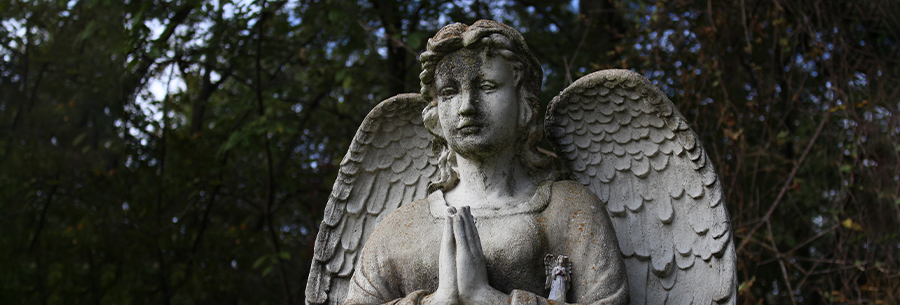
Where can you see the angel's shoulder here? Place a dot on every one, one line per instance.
(407, 212)
(572, 194)
(570, 199)
(406, 222)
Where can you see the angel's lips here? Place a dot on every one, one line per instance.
(469, 127)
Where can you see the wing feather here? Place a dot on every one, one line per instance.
(668, 212)
(662, 254)
(390, 162)
(347, 270)
(637, 280)
(656, 293)
(684, 261)
(639, 240)
(352, 231)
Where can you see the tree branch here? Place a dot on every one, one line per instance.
(787, 182)
(270, 183)
(42, 220)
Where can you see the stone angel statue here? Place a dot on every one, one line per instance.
(443, 197)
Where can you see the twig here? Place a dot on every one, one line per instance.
(568, 73)
(43, 219)
(806, 275)
(746, 32)
(789, 180)
(547, 152)
(809, 240)
(270, 186)
(161, 173)
(390, 37)
(578, 48)
(787, 278)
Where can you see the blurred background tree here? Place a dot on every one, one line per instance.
(160, 152)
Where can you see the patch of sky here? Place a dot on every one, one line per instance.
(352, 58)
(17, 29)
(574, 5)
(869, 163)
(159, 85)
(674, 17)
(695, 47)
(552, 28)
(860, 80)
(664, 42)
(292, 8)
(496, 9)
(881, 112)
(847, 123)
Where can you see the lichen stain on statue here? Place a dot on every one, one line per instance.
(443, 197)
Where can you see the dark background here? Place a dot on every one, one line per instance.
(115, 190)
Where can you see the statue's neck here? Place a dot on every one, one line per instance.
(494, 181)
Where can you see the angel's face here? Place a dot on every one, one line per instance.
(477, 100)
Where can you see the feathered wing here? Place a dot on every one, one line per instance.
(390, 162)
(620, 136)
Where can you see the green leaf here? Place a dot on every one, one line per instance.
(78, 139)
(746, 285)
(334, 15)
(88, 31)
(348, 81)
(782, 135)
(259, 262)
(849, 224)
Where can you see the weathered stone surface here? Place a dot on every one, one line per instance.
(457, 205)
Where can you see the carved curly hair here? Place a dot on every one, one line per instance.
(496, 39)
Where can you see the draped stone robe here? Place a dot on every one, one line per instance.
(399, 263)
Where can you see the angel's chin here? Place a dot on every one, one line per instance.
(476, 147)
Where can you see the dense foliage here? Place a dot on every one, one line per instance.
(157, 152)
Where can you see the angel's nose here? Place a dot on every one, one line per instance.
(467, 105)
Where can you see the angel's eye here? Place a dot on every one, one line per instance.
(488, 85)
(448, 91)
